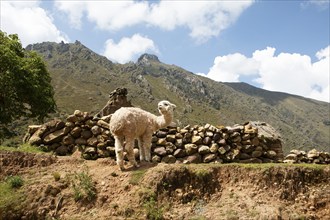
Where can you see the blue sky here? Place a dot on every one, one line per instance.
(275, 45)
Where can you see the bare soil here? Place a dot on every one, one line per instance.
(163, 191)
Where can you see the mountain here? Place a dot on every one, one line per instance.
(83, 79)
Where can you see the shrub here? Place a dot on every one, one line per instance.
(83, 186)
(15, 181)
(57, 176)
(154, 212)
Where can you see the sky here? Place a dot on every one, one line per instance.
(274, 45)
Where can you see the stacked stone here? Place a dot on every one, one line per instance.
(205, 144)
(80, 130)
(191, 144)
(312, 156)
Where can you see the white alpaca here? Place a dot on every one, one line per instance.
(129, 123)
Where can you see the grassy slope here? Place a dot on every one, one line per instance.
(83, 80)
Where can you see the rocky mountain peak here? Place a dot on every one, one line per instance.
(145, 59)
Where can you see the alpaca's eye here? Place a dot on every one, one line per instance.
(165, 104)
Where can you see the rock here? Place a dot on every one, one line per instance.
(178, 136)
(179, 153)
(103, 124)
(255, 141)
(96, 130)
(222, 142)
(191, 148)
(86, 134)
(216, 137)
(291, 157)
(256, 154)
(209, 157)
(61, 151)
(313, 154)
(248, 148)
(251, 160)
(236, 139)
(246, 137)
(169, 159)
(187, 138)
(248, 129)
(207, 140)
(195, 158)
(81, 141)
(161, 134)
(170, 147)
(214, 148)
(111, 150)
(92, 141)
(75, 132)
(54, 137)
(72, 118)
(179, 143)
(170, 138)
(38, 136)
(244, 156)
(271, 154)
(68, 139)
(78, 113)
(196, 139)
(289, 161)
(160, 151)
(35, 140)
(203, 149)
(156, 159)
(154, 139)
(222, 150)
(161, 141)
(90, 123)
(209, 134)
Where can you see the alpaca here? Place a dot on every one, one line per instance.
(129, 123)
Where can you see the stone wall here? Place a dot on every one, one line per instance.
(253, 142)
(312, 156)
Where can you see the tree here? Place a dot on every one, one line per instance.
(25, 83)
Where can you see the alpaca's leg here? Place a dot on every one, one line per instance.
(147, 147)
(130, 152)
(119, 148)
(141, 149)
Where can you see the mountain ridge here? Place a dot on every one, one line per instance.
(82, 80)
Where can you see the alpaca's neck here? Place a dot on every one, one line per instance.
(164, 120)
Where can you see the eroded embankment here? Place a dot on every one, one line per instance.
(167, 191)
(253, 191)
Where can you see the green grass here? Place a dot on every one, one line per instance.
(11, 198)
(57, 176)
(137, 176)
(15, 181)
(153, 209)
(83, 186)
(27, 148)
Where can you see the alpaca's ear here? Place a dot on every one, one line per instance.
(174, 106)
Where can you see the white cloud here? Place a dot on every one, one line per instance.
(320, 4)
(74, 10)
(29, 21)
(128, 48)
(204, 19)
(286, 72)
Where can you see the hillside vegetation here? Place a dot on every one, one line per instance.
(83, 79)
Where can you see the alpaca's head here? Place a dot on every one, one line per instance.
(165, 107)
